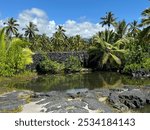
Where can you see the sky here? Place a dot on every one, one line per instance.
(77, 16)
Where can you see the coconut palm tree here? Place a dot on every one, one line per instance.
(134, 28)
(121, 29)
(30, 31)
(108, 53)
(61, 30)
(11, 27)
(108, 19)
(59, 39)
(145, 23)
(18, 35)
(107, 35)
(79, 43)
(146, 18)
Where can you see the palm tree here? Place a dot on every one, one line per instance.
(18, 35)
(121, 29)
(79, 43)
(11, 27)
(59, 39)
(107, 35)
(30, 31)
(110, 53)
(108, 19)
(61, 30)
(134, 28)
(144, 36)
(43, 43)
(146, 18)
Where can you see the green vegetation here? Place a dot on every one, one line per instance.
(15, 55)
(47, 66)
(7, 83)
(50, 67)
(73, 64)
(122, 46)
(126, 47)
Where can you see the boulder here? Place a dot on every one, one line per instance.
(133, 99)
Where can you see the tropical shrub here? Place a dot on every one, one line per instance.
(49, 66)
(15, 55)
(72, 64)
(146, 64)
(132, 68)
(137, 60)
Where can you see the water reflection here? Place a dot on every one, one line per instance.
(87, 80)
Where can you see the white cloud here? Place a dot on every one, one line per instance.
(40, 18)
(1, 23)
(33, 12)
(36, 16)
(85, 29)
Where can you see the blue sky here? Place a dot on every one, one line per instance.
(62, 10)
(55, 12)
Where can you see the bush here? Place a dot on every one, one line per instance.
(146, 64)
(132, 68)
(72, 64)
(137, 59)
(15, 55)
(49, 66)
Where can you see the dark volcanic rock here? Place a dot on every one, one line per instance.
(78, 110)
(61, 110)
(102, 92)
(64, 104)
(94, 104)
(76, 103)
(113, 98)
(74, 93)
(56, 106)
(120, 106)
(133, 99)
(12, 101)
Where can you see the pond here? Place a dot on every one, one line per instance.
(79, 80)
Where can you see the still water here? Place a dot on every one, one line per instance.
(86, 80)
(80, 80)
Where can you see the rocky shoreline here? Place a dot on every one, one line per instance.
(101, 100)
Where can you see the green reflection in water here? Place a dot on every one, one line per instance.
(86, 80)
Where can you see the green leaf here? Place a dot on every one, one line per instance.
(116, 59)
(105, 58)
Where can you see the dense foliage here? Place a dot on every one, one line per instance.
(126, 47)
(15, 55)
(121, 46)
(47, 66)
(73, 64)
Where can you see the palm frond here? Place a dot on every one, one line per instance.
(116, 59)
(105, 58)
